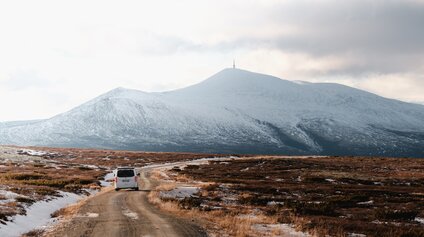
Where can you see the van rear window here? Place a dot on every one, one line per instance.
(125, 173)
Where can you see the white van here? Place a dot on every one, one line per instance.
(125, 177)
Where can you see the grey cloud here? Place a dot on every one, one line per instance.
(380, 36)
(377, 36)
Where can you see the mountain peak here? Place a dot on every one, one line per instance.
(234, 79)
(119, 91)
(120, 88)
(236, 72)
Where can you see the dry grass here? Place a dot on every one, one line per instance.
(34, 233)
(166, 187)
(217, 222)
(158, 174)
(322, 196)
(114, 158)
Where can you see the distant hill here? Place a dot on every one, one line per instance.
(236, 111)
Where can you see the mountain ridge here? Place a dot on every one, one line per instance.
(236, 111)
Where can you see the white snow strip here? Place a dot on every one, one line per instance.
(8, 196)
(106, 182)
(284, 230)
(419, 219)
(180, 192)
(91, 166)
(355, 235)
(33, 153)
(273, 203)
(37, 216)
(184, 163)
(366, 203)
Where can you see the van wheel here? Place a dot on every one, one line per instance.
(116, 189)
(136, 189)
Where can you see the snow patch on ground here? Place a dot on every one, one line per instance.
(419, 219)
(201, 161)
(273, 203)
(8, 194)
(33, 152)
(11, 154)
(366, 203)
(355, 235)
(180, 192)
(285, 230)
(91, 166)
(37, 215)
(107, 179)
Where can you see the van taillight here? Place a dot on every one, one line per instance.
(116, 179)
(135, 178)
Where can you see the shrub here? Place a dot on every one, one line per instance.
(313, 209)
(192, 167)
(24, 199)
(405, 215)
(25, 176)
(34, 233)
(84, 181)
(254, 200)
(50, 183)
(190, 202)
(45, 191)
(348, 201)
(211, 187)
(315, 180)
(57, 213)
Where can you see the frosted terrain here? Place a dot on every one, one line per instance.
(37, 215)
(236, 111)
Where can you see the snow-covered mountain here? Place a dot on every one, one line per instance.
(236, 111)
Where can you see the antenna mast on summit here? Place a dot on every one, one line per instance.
(234, 63)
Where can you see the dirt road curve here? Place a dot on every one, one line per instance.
(126, 213)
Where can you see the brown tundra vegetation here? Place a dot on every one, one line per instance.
(239, 196)
(324, 196)
(32, 177)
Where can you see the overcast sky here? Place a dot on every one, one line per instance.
(55, 55)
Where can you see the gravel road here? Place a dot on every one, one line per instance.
(126, 213)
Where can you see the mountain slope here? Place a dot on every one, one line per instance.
(236, 111)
